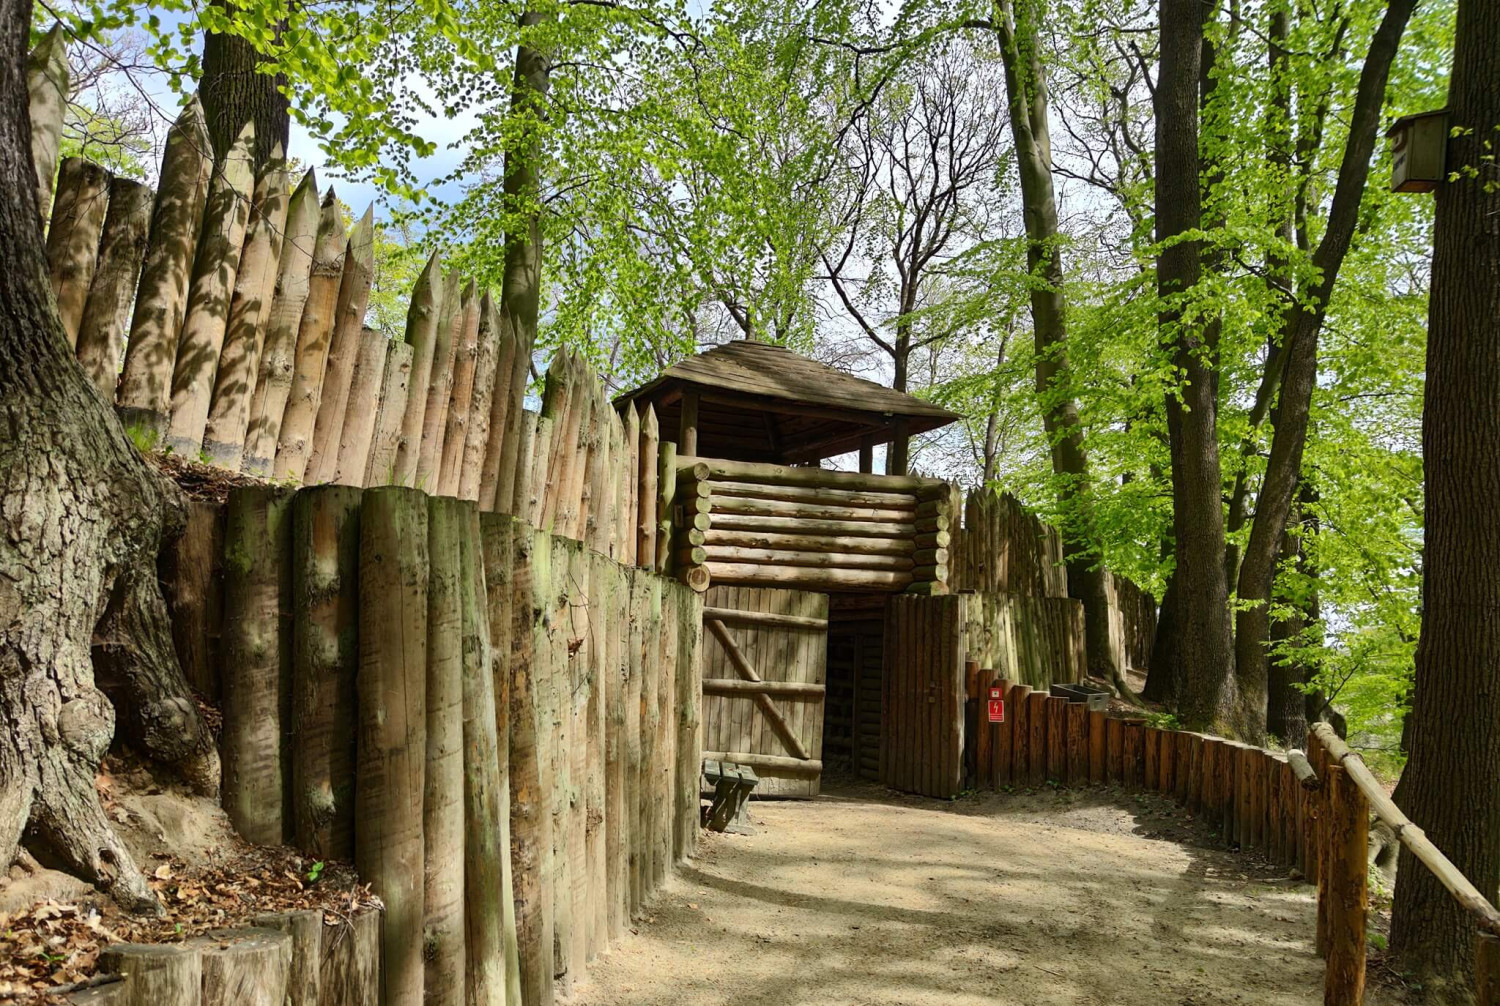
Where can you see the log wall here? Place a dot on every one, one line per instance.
(518, 826)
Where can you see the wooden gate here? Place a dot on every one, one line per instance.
(764, 659)
(922, 743)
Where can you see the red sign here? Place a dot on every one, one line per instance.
(997, 706)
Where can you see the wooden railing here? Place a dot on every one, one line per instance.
(744, 524)
(1347, 793)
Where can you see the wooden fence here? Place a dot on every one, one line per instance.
(406, 681)
(1345, 795)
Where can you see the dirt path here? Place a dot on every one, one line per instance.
(859, 899)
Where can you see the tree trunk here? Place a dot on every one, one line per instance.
(235, 92)
(1452, 781)
(79, 553)
(1026, 86)
(1201, 614)
(1284, 468)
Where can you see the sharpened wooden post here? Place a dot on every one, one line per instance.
(225, 218)
(666, 494)
(1348, 840)
(257, 660)
(73, 239)
(325, 659)
(294, 448)
(47, 81)
(456, 297)
(423, 319)
(392, 755)
(343, 349)
(647, 498)
(395, 394)
(477, 436)
(249, 316)
(460, 397)
(362, 409)
(443, 946)
(273, 380)
(106, 314)
(145, 391)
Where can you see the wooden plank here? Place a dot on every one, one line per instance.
(1036, 718)
(1077, 732)
(1057, 739)
(1098, 746)
(1114, 758)
(1152, 744)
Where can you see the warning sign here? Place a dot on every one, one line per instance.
(997, 706)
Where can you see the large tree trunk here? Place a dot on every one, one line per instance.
(1452, 782)
(234, 91)
(1284, 468)
(85, 518)
(1026, 88)
(1203, 647)
(521, 281)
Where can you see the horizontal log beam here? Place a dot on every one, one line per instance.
(810, 494)
(805, 542)
(793, 525)
(765, 619)
(804, 510)
(719, 470)
(768, 763)
(733, 687)
(745, 573)
(784, 557)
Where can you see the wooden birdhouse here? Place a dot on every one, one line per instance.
(1418, 146)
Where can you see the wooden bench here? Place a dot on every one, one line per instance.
(732, 785)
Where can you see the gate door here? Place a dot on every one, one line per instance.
(764, 659)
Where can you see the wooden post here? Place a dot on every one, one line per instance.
(1098, 746)
(273, 382)
(867, 455)
(325, 658)
(385, 442)
(1114, 757)
(1348, 839)
(1166, 761)
(1183, 769)
(666, 494)
(245, 967)
(294, 448)
(192, 575)
(47, 80)
(249, 315)
(897, 452)
(422, 322)
(343, 349)
(443, 947)
(501, 423)
(976, 724)
(225, 218)
(156, 974)
(101, 333)
(1152, 741)
(511, 459)
(73, 238)
(1057, 739)
(1487, 969)
(305, 975)
(1133, 754)
(363, 408)
(257, 660)
(687, 436)
(151, 352)
(1078, 744)
(1036, 724)
(689, 717)
(351, 967)
(461, 397)
(1195, 773)
(514, 548)
(457, 297)
(392, 754)
(647, 497)
(477, 435)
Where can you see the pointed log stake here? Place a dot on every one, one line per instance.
(461, 397)
(392, 749)
(440, 385)
(361, 412)
(294, 447)
(477, 437)
(349, 322)
(767, 707)
(273, 381)
(214, 271)
(249, 315)
(151, 352)
(73, 239)
(395, 383)
(520, 377)
(646, 498)
(493, 497)
(101, 333)
(421, 334)
(47, 80)
(443, 800)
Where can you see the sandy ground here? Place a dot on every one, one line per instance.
(862, 898)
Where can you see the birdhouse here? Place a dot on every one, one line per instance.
(1418, 147)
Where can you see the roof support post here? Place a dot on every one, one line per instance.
(687, 435)
(897, 456)
(867, 455)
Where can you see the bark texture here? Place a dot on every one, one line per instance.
(234, 91)
(84, 518)
(1451, 786)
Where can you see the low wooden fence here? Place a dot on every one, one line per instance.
(287, 959)
(1345, 795)
(500, 727)
(746, 524)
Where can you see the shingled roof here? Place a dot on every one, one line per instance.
(761, 402)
